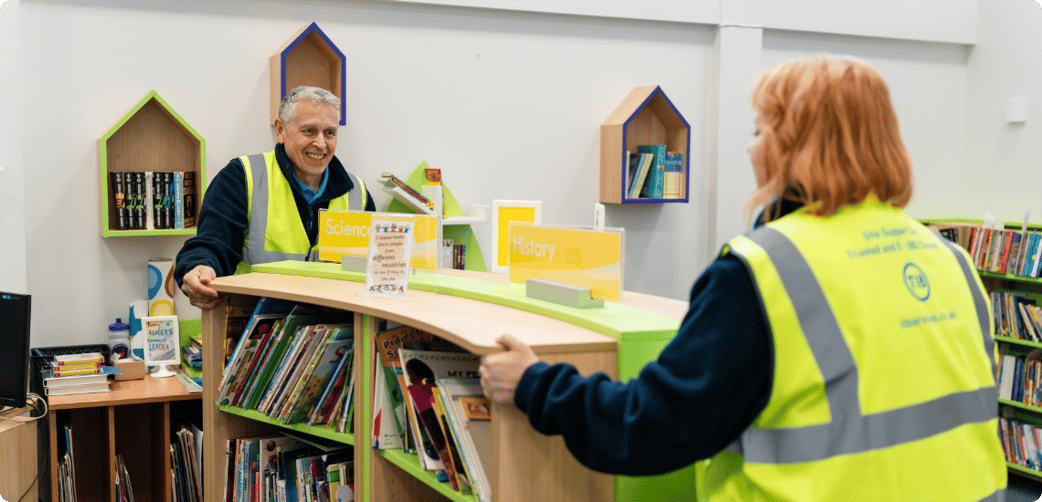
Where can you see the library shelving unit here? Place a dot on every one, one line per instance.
(135, 417)
(1010, 341)
(469, 309)
(645, 117)
(307, 58)
(150, 137)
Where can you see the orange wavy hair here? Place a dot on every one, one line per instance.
(829, 135)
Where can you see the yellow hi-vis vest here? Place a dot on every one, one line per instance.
(275, 232)
(884, 367)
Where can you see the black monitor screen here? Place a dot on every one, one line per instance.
(14, 349)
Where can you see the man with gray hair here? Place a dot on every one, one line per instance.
(263, 208)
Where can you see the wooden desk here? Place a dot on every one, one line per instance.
(136, 417)
(18, 442)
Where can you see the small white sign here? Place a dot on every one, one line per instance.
(162, 343)
(390, 248)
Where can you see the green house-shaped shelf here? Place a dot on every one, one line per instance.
(645, 117)
(308, 58)
(151, 137)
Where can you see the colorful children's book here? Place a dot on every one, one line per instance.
(326, 360)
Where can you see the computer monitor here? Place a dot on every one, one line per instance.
(14, 356)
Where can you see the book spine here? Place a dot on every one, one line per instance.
(178, 199)
(674, 175)
(118, 196)
(189, 199)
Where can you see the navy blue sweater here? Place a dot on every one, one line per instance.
(224, 215)
(705, 388)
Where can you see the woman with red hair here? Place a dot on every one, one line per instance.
(837, 351)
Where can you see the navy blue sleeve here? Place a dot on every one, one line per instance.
(706, 387)
(221, 226)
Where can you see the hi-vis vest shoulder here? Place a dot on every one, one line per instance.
(884, 378)
(275, 232)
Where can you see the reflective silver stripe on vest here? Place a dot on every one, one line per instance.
(980, 302)
(849, 431)
(998, 496)
(253, 253)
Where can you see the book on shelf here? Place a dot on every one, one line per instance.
(468, 413)
(641, 176)
(653, 186)
(672, 186)
(391, 181)
(389, 404)
(188, 193)
(421, 369)
(337, 346)
(119, 200)
(241, 334)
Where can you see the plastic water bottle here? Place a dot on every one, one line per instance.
(119, 342)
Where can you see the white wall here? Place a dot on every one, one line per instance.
(1003, 162)
(12, 179)
(507, 103)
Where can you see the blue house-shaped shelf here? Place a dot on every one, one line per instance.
(308, 58)
(645, 117)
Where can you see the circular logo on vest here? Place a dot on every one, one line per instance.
(916, 282)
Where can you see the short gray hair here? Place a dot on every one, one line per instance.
(317, 95)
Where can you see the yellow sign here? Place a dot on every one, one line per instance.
(506, 216)
(347, 233)
(581, 258)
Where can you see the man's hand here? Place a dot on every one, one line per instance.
(195, 287)
(501, 372)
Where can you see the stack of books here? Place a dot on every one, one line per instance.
(77, 374)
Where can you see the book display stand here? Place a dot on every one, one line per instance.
(645, 117)
(151, 137)
(307, 58)
(452, 223)
(620, 338)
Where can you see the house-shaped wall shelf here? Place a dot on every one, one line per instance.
(150, 138)
(645, 117)
(308, 58)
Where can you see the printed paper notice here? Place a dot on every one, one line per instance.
(390, 248)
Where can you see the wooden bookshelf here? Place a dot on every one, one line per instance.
(525, 459)
(150, 137)
(645, 117)
(137, 417)
(309, 57)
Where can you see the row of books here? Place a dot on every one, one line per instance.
(392, 183)
(283, 468)
(1006, 251)
(1016, 316)
(153, 200)
(295, 367)
(186, 464)
(430, 402)
(654, 173)
(453, 254)
(1020, 379)
(1022, 443)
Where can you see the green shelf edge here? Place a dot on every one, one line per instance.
(314, 430)
(1017, 341)
(615, 320)
(1027, 470)
(409, 463)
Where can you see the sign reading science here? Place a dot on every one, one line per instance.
(583, 258)
(347, 233)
